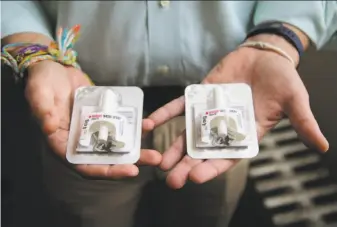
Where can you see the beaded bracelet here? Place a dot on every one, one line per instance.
(60, 51)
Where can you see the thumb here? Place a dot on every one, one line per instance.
(41, 101)
(167, 112)
(304, 122)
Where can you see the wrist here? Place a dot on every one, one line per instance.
(30, 48)
(281, 35)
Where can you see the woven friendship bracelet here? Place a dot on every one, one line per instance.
(60, 51)
(30, 50)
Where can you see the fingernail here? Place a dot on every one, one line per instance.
(134, 172)
(324, 146)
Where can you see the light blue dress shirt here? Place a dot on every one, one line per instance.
(148, 43)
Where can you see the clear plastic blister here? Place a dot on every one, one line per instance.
(220, 121)
(106, 125)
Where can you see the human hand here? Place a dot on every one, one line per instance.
(277, 91)
(49, 92)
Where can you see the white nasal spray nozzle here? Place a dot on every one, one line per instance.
(108, 104)
(218, 97)
(220, 102)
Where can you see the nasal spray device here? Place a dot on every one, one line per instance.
(106, 125)
(220, 121)
(217, 113)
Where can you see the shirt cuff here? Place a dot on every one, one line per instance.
(316, 19)
(23, 16)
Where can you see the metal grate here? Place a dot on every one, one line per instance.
(295, 186)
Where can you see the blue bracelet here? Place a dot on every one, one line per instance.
(277, 28)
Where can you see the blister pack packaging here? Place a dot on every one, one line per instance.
(106, 125)
(220, 121)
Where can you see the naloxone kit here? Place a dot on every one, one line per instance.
(220, 121)
(106, 125)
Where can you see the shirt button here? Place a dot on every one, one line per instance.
(163, 69)
(164, 4)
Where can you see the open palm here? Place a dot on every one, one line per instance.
(277, 90)
(49, 91)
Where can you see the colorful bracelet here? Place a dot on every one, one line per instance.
(60, 51)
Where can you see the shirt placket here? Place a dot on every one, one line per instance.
(163, 35)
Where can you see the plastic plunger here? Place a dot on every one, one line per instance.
(222, 128)
(109, 104)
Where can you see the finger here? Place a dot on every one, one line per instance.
(174, 154)
(261, 131)
(305, 124)
(210, 169)
(147, 125)
(41, 101)
(179, 174)
(58, 142)
(108, 171)
(149, 157)
(168, 111)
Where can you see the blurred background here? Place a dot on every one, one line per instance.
(288, 186)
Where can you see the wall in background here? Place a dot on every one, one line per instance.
(319, 73)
